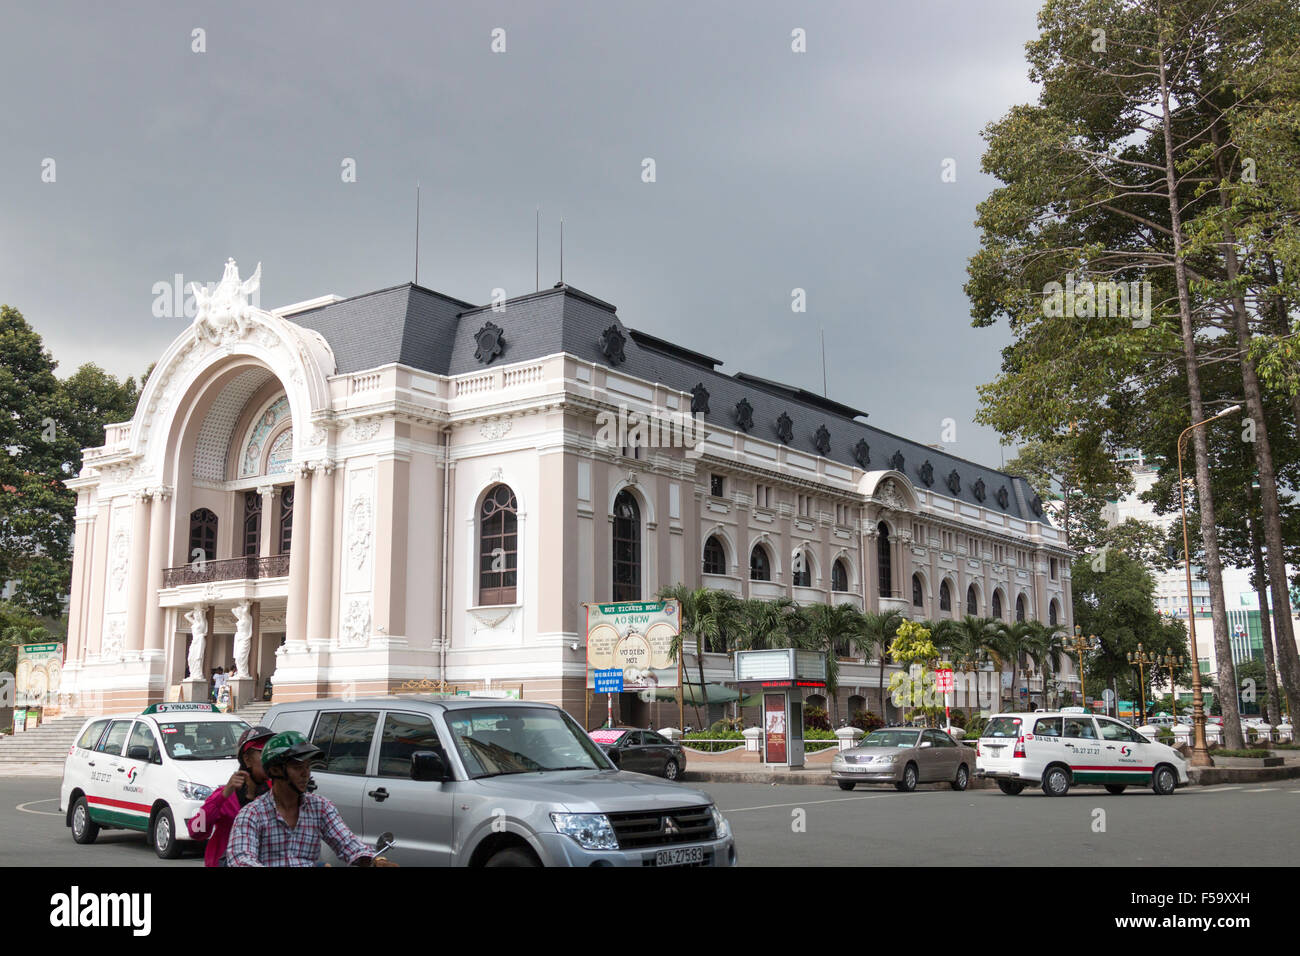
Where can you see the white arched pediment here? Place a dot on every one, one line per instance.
(890, 489)
(227, 327)
(643, 501)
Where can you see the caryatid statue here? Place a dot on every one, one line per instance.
(243, 612)
(198, 619)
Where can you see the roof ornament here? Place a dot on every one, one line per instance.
(223, 314)
(611, 344)
(897, 462)
(699, 400)
(490, 343)
(862, 453)
(1002, 497)
(977, 490)
(926, 471)
(954, 482)
(1036, 505)
(744, 415)
(822, 440)
(785, 428)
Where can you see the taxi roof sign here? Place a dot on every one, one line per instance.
(180, 708)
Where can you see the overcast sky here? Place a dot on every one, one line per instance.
(775, 170)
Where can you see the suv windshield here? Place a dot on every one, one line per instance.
(494, 741)
(890, 738)
(201, 739)
(1002, 727)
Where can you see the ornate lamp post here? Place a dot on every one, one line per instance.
(1142, 659)
(1200, 750)
(1081, 644)
(1172, 661)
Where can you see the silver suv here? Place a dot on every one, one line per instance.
(463, 781)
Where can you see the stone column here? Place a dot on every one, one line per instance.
(321, 562)
(295, 619)
(266, 540)
(392, 504)
(159, 528)
(137, 577)
(870, 567)
(98, 580)
(77, 610)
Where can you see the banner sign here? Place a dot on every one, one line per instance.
(634, 638)
(39, 677)
(943, 682)
(609, 682)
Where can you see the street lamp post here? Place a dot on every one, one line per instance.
(1081, 644)
(1174, 660)
(1142, 659)
(1200, 750)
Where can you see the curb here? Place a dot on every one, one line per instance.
(1199, 777)
(1210, 776)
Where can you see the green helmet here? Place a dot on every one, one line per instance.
(287, 746)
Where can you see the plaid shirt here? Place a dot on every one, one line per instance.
(262, 838)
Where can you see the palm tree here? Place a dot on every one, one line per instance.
(877, 631)
(693, 603)
(975, 639)
(826, 630)
(1016, 641)
(768, 623)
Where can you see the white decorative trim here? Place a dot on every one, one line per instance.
(356, 625)
(495, 430)
(363, 431)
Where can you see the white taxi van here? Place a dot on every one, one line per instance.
(147, 772)
(1056, 749)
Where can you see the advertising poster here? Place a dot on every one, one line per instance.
(636, 638)
(774, 727)
(39, 677)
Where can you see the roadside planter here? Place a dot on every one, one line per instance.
(1148, 731)
(849, 737)
(672, 733)
(753, 739)
(1182, 734)
(1285, 733)
(1214, 734)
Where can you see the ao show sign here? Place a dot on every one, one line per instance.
(635, 640)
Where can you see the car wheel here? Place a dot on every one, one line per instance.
(670, 770)
(1056, 782)
(1164, 781)
(163, 834)
(908, 783)
(513, 856)
(963, 778)
(84, 829)
(846, 784)
(1116, 788)
(1010, 787)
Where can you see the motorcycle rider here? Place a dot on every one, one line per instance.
(216, 818)
(285, 826)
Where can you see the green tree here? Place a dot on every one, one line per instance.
(827, 629)
(875, 633)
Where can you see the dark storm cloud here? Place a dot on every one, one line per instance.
(775, 170)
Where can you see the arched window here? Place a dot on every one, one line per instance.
(715, 556)
(945, 597)
(1020, 608)
(1053, 613)
(839, 576)
(972, 602)
(802, 566)
(203, 534)
(252, 523)
(286, 519)
(760, 568)
(498, 548)
(627, 548)
(997, 605)
(884, 560)
(918, 592)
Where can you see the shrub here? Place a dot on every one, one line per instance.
(825, 739)
(958, 718)
(975, 725)
(1165, 735)
(815, 718)
(723, 738)
(1241, 753)
(866, 721)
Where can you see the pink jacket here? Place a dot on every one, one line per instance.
(213, 823)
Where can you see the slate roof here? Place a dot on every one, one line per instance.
(423, 329)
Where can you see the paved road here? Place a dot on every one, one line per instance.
(1253, 824)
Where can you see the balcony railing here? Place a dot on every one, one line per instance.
(235, 569)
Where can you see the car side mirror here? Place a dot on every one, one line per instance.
(138, 752)
(428, 765)
(926, 743)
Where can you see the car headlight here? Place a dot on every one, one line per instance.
(886, 758)
(720, 825)
(193, 791)
(591, 830)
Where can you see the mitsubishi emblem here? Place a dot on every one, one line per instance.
(670, 827)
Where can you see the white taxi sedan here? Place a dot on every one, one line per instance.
(148, 772)
(1056, 749)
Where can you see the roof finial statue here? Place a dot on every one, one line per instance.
(224, 312)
